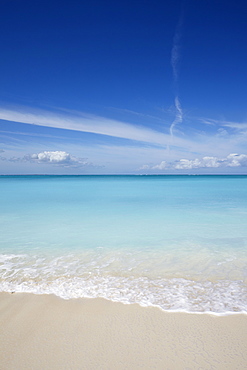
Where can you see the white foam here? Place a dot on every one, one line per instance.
(70, 277)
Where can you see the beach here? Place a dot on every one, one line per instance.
(123, 185)
(123, 272)
(47, 332)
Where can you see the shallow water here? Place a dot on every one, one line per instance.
(178, 242)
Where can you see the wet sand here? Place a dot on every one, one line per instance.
(46, 332)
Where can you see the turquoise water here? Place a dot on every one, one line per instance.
(178, 242)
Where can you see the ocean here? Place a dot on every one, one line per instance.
(176, 242)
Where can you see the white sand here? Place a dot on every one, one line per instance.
(45, 332)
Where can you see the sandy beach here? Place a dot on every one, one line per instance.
(46, 332)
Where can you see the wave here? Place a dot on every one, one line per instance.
(23, 273)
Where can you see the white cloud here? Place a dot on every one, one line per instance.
(161, 166)
(57, 158)
(232, 160)
(211, 162)
(237, 160)
(145, 167)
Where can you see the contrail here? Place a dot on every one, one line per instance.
(175, 56)
(178, 117)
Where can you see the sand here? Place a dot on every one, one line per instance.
(46, 332)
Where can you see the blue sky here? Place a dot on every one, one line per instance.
(127, 87)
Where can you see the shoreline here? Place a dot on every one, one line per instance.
(45, 331)
(125, 303)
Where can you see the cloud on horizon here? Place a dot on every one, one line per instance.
(232, 160)
(57, 158)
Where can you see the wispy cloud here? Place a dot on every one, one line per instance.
(93, 124)
(224, 123)
(86, 123)
(146, 146)
(38, 134)
(138, 114)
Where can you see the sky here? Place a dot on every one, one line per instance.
(123, 87)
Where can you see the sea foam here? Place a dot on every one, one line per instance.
(68, 277)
